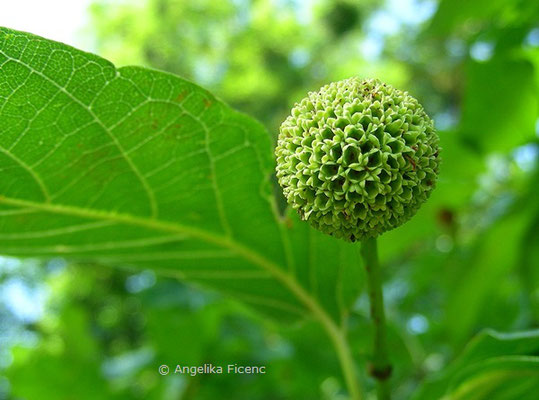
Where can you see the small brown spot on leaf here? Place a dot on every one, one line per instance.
(181, 96)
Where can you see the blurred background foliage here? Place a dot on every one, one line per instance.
(468, 261)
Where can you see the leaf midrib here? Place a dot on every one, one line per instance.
(172, 227)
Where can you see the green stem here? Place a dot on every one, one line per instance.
(380, 368)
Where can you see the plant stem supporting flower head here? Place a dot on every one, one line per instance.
(380, 368)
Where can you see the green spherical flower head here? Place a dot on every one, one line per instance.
(357, 158)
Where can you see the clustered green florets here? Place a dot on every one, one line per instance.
(357, 158)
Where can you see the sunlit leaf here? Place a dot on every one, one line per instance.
(134, 167)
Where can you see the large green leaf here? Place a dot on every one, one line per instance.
(493, 366)
(135, 167)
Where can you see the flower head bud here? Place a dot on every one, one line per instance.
(357, 158)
